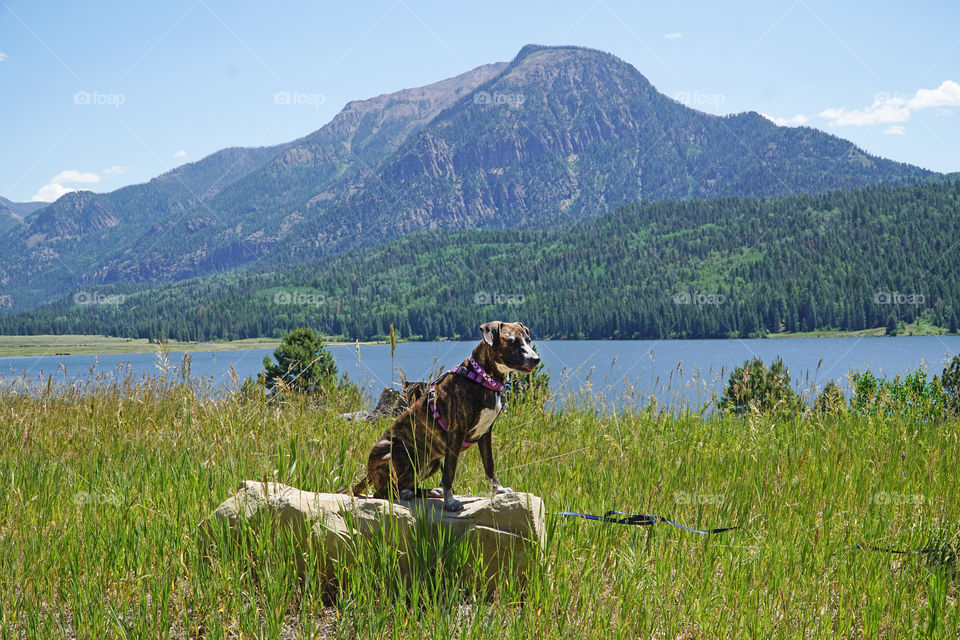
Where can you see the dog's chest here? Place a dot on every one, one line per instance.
(485, 421)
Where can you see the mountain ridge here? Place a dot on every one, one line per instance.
(721, 268)
(557, 135)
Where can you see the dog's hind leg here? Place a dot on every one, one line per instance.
(404, 471)
(390, 467)
(379, 469)
(428, 470)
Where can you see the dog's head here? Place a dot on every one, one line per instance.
(508, 344)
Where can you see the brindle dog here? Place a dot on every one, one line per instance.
(418, 444)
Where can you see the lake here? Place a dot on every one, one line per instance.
(621, 373)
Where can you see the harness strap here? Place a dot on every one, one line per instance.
(474, 372)
(477, 373)
(432, 405)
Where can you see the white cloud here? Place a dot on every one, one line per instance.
(672, 36)
(946, 95)
(796, 120)
(76, 176)
(3, 56)
(180, 154)
(54, 189)
(884, 110)
(896, 130)
(50, 192)
(890, 109)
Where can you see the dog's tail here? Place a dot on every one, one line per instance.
(358, 488)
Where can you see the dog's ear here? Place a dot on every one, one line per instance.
(526, 331)
(490, 331)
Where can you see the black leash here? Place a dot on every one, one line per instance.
(648, 519)
(639, 519)
(870, 547)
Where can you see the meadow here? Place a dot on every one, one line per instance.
(104, 486)
(43, 345)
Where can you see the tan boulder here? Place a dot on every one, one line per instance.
(503, 531)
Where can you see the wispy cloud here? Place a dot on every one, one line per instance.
(115, 170)
(55, 188)
(672, 36)
(3, 56)
(76, 176)
(795, 121)
(884, 110)
(896, 130)
(180, 154)
(890, 109)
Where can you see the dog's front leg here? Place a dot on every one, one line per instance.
(448, 472)
(485, 445)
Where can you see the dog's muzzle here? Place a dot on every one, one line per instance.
(530, 363)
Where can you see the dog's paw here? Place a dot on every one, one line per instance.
(496, 488)
(452, 505)
(407, 494)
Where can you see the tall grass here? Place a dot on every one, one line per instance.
(102, 488)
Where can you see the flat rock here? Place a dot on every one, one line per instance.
(505, 530)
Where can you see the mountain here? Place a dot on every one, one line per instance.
(19, 209)
(12, 215)
(556, 136)
(720, 268)
(182, 223)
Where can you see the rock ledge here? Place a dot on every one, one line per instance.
(506, 530)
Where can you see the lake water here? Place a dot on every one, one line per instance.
(604, 372)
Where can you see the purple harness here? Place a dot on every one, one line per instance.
(474, 372)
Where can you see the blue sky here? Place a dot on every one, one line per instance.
(100, 95)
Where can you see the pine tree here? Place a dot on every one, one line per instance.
(302, 364)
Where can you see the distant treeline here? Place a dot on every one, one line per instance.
(846, 260)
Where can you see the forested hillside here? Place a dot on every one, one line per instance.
(557, 136)
(698, 268)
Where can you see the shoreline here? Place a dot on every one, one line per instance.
(85, 345)
(76, 345)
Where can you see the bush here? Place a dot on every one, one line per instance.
(912, 395)
(254, 389)
(830, 401)
(950, 381)
(753, 388)
(303, 365)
